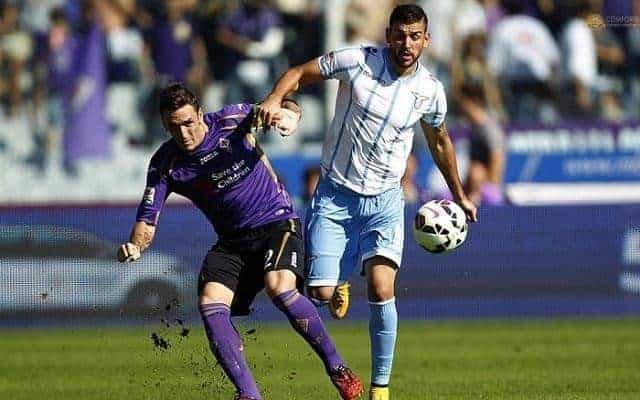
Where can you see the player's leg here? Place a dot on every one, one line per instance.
(383, 322)
(381, 245)
(217, 277)
(331, 255)
(281, 284)
(304, 318)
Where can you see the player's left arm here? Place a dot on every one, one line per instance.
(444, 156)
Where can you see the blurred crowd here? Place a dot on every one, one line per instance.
(502, 61)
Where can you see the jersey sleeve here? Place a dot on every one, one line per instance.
(338, 64)
(235, 113)
(434, 116)
(155, 193)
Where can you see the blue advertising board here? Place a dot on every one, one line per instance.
(593, 152)
(517, 261)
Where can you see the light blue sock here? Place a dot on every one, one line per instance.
(383, 329)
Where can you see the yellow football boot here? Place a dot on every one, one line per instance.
(339, 303)
(379, 393)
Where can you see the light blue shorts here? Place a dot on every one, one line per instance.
(344, 229)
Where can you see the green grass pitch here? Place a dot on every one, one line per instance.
(517, 359)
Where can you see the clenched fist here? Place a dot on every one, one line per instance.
(128, 252)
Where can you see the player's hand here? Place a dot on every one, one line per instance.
(128, 252)
(469, 209)
(287, 125)
(270, 110)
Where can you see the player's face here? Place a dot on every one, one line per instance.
(186, 126)
(406, 42)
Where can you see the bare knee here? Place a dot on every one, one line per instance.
(322, 293)
(378, 293)
(215, 292)
(381, 274)
(278, 282)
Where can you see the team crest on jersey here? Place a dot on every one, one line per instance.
(225, 144)
(419, 101)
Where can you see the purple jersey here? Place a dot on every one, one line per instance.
(227, 177)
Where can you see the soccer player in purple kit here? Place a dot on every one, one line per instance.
(213, 160)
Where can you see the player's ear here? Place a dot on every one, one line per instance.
(427, 40)
(163, 118)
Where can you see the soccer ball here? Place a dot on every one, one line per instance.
(440, 226)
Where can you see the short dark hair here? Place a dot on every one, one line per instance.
(408, 14)
(176, 96)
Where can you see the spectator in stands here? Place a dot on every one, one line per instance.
(16, 50)
(178, 54)
(553, 14)
(476, 96)
(125, 66)
(495, 13)
(580, 63)
(251, 39)
(210, 17)
(52, 68)
(302, 21)
(35, 14)
(632, 51)
(437, 57)
(611, 65)
(523, 55)
(366, 20)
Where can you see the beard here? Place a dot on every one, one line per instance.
(403, 59)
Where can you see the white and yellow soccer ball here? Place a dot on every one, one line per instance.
(440, 226)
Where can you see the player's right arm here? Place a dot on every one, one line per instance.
(139, 240)
(333, 65)
(304, 74)
(149, 209)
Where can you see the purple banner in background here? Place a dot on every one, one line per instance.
(86, 130)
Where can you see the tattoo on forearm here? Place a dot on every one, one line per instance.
(442, 130)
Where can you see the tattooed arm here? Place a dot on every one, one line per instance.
(139, 240)
(444, 156)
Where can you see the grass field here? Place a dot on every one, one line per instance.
(556, 359)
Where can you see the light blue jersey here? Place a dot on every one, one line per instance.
(371, 135)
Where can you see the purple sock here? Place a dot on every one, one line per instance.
(305, 319)
(226, 345)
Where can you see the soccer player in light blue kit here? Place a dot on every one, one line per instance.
(355, 219)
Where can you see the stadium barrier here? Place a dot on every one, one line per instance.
(517, 262)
